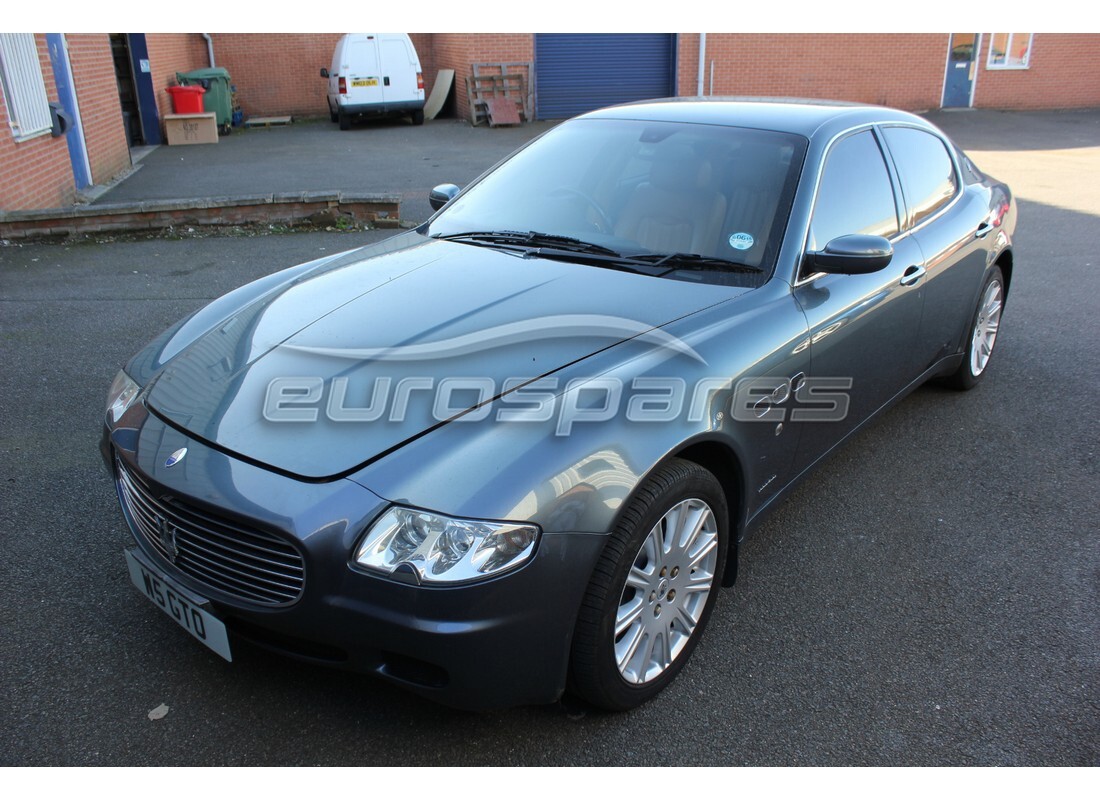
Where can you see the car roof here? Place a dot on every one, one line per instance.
(807, 118)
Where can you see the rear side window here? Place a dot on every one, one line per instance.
(927, 173)
(855, 194)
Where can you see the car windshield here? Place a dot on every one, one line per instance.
(714, 199)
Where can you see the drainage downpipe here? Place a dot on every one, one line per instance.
(210, 49)
(702, 61)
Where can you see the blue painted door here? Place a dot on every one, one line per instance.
(143, 86)
(579, 72)
(962, 64)
(66, 95)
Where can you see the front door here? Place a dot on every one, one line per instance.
(862, 328)
(962, 64)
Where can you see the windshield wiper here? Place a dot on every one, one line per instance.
(551, 245)
(679, 261)
(529, 239)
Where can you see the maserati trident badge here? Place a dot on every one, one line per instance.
(167, 534)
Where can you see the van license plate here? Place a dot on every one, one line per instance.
(357, 82)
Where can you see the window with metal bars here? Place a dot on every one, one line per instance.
(24, 87)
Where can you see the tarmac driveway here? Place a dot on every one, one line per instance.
(390, 156)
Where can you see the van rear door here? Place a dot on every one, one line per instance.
(363, 71)
(399, 68)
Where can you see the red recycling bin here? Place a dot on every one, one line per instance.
(186, 99)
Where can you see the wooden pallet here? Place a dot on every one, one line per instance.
(524, 68)
(266, 122)
(511, 89)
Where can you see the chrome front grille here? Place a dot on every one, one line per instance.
(245, 563)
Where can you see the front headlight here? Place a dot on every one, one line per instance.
(442, 549)
(122, 395)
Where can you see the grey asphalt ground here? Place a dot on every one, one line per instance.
(388, 155)
(931, 596)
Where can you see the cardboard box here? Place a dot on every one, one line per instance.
(191, 128)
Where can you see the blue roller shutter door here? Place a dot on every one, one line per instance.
(579, 72)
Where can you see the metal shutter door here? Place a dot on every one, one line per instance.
(578, 72)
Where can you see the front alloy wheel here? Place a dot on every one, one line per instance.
(666, 591)
(653, 589)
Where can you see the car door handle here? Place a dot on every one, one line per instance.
(912, 275)
(983, 230)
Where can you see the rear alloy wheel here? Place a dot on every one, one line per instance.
(653, 589)
(983, 333)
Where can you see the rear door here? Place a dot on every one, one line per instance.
(948, 225)
(398, 71)
(363, 71)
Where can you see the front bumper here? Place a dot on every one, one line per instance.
(501, 642)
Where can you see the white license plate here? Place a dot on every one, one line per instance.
(181, 605)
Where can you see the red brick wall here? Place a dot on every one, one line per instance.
(460, 51)
(277, 74)
(1063, 72)
(900, 70)
(37, 172)
(100, 110)
(451, 51)
(170, 53)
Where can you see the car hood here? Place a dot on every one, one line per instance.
(350, 361)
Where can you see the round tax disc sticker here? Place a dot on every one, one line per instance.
(741, 241)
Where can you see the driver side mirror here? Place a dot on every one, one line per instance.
(441, 195)
(324, 72)
(855, 254)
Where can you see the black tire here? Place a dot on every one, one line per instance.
(344, 120)
(418, 117)
(332, 115)
(604, 667)
(976, 357)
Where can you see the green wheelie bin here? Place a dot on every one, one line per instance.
(219, 95)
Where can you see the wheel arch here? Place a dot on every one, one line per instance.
(722, 461)
(1004, 261)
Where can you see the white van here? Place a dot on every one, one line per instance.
(374, 74)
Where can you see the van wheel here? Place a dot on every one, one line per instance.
(418, 117)
(344, 120)
(332, 115)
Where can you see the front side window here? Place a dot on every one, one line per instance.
(926, 171)
(855, 194)
(23, 85)
(1009, 51)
